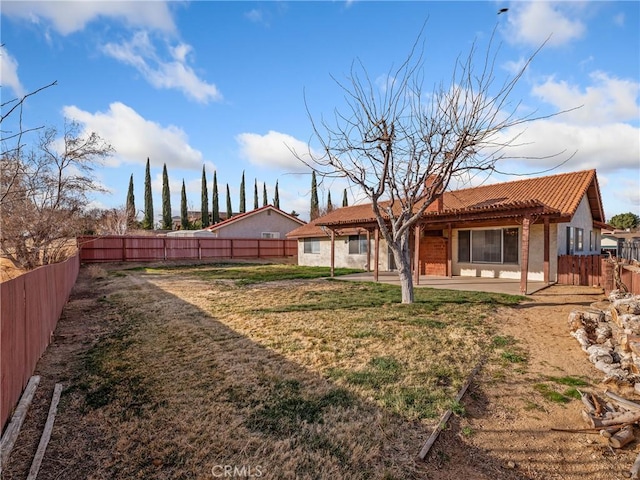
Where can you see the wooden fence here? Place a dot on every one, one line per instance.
(141, 248)
(583, 270)
(592, 270)
(29, 311)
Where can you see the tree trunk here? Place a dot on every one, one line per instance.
(403, 261)
(406, 283)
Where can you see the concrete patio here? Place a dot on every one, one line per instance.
(475, 284)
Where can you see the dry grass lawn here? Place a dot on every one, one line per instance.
(196, 369)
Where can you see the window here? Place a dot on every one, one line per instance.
(464, 246)
(311, 245)
(569, 241)
(510, 245)
(579, 239)
(488, 246)
(357, 244)
(270, 234)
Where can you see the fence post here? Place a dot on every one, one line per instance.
(231, 240)
(199, 250)
(124, 248)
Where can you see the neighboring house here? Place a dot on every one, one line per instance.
(622, 244)
(505, 230)
(196, 216)
(191, 234)
(264, 222)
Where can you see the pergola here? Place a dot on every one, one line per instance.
(523, 213)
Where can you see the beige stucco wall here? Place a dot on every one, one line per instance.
(582, 219)
(343, 259)
(536, 257)
(253, 226)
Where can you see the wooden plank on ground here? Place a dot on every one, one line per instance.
(445, 418)
(13, 429)
(46, 434)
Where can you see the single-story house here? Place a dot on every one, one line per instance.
(513, 230)
(622, 244)
(190, 234)
(264, 222)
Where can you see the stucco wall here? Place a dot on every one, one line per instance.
(343, 259)
(253, 226)
(582, 219)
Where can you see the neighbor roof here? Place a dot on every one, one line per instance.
(559, 195)
(243, 216)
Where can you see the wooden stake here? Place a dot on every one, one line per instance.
(11, 433)
(46, 434)
(445, 418)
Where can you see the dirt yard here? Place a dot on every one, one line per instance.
(501, 431)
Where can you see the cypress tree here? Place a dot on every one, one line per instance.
(345, 202)
(255, 194)
(243, 207)
(204, 208)
(131, 204)
(329, 204)
(229, 209)
(167, 223)
(265, 202)
(184, 214)
(147, 222)
(315, 205)
(276, 197)
(215, 205)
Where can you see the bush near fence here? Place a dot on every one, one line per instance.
(29, 311)
(144, 248)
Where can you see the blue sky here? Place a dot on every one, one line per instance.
(223, 84)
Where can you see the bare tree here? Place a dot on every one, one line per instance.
(402, 145)
(42, 206)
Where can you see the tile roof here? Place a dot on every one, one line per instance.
(559, 194)
(244, 215)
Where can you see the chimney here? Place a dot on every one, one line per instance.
(434, 182)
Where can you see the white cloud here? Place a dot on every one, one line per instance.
(274, 150)
(609, 147)
(9, 74)
(532, 23)
(72, 16)
(255, 15)
(619, 19)
(135, 138)
(608, 99)
(141, 54)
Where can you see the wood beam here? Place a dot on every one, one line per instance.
(368, 250)
(546, 251)
(524, 267)
(376, 261)
(333, 252)
(449, 251)
(416, 255)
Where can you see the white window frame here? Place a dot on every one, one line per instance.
(502, 246)
(313, 244)
(362, 244)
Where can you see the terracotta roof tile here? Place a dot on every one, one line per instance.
(250, 213)
(559, 194)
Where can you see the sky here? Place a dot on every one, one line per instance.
(234, 86)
